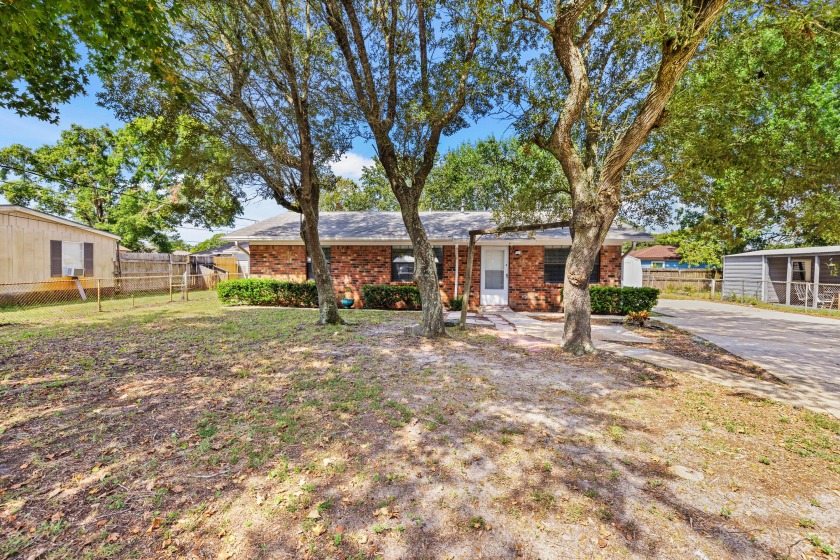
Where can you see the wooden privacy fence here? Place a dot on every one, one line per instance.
(675, 279)
(160, 264)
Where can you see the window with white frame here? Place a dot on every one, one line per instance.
(72, 254)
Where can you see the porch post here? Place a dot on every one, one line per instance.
(457, 255)
(788, 280)
(468, 281)
(764, 277)
(816, 281)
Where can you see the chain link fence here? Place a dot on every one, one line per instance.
(694, 284)
(799, 294)
(65, 298)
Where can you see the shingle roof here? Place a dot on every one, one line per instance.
(657, 253)
(389, 227)
(11, 208)
(796, 251)
(221, 249)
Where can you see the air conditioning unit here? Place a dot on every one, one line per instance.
(75, 272)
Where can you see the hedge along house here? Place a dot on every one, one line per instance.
(524, 273)
(804, 277)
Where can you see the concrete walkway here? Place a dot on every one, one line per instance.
(795, 395)
(801, 350)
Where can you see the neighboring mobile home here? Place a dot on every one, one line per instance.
(805, 276)
(524, 273)
(37, 247)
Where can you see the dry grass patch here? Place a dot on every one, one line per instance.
(205, 432)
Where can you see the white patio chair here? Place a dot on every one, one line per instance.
(801, 291)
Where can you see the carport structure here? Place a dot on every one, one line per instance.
(805, 276)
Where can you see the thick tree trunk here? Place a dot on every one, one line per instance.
(425, 273)
(590, 224)
(328, 310)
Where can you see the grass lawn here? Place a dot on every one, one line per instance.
(196, 431)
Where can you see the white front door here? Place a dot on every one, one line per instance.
(494, 275)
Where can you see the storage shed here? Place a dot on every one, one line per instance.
(37, 247)
(805, 276)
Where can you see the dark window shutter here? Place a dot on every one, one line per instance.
(55, 258)
(88, 259)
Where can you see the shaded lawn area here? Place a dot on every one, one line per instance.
(198, 431)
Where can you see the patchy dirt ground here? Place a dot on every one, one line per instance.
(673, 340)
(200, 432)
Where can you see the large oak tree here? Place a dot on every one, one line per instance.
(415, 71)
(597, 89)
(258, 73)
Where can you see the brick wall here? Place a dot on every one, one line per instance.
(353, 266)
(529, 292)
(284, 262)
(611, 265)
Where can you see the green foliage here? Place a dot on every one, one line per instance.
(752, 143)
(43, 44)
(268, 291)
(612, 300)
(696, 247)
(374, 193)
(212, 243)
(140, 182)
(509, 177)
(512, 178)
(269, 56)
(384, 296)
(456, 304)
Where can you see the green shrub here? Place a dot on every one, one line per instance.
(383, 296)
(455, 304)
(612, 300)
(268, 291)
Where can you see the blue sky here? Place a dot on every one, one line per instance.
(84, 111)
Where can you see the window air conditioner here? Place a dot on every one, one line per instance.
(76, 272)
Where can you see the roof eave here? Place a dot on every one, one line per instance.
(57, 219)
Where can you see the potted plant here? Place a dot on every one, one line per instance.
(348, 300)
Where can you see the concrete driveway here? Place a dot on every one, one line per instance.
(801, 350)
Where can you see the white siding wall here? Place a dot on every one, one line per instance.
(742, 275)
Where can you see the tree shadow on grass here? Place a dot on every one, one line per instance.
(260, 435)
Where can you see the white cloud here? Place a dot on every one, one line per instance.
(350, 166)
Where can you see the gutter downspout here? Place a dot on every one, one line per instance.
(243, 249)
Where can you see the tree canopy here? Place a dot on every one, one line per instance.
(752, 142)
(51, 47)
(140, 182)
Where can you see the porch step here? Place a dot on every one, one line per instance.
(495, 309)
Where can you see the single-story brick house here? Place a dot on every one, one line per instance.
(525, 273)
